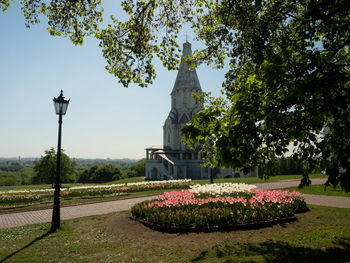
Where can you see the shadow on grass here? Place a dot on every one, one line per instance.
(26, 246)
(277, 252)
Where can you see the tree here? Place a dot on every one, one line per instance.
(128, 46)
(99, 174)
(68, 18)
(137, 170)
(87, 174)
(45, 168)
(105, 173)
(288, 82)
(288, 78)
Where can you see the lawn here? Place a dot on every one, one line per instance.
(322, 190)
(47, 186)
(255, 180)
(320, 235)
(247, 180)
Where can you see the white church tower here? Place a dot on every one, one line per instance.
(174, 160)
(183, 105)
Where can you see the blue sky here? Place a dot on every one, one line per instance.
(104, 119)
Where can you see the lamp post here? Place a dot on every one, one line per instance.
(61, 105)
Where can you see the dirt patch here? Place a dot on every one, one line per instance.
(122, 226)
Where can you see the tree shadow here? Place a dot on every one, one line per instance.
(279, 251)
(26, 246)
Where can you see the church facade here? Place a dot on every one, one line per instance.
(174, 160)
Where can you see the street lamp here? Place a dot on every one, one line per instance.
(61, 105)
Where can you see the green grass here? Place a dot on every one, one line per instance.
(48, 186)
(320, 235)
(128, 180)
(37, 186)
(248, 180)
(322, 190)
(254, 180)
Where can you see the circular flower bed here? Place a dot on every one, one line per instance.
(218, 207)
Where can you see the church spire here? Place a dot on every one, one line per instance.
(186, 78)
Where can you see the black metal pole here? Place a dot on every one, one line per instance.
(211, 176)
(56, 218)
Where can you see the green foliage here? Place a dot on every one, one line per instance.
(105, 173)
(9, 179)
(123, 164)
(68, 18)
(97, 174)
(137, 170)
(288, 79)
(86, 175)
(286, 166)
(11, 175)
(288, 82)
(45, 168)
(14, 167)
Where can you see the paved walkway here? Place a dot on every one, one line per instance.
(43, 216)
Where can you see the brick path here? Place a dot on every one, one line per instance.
(43, 216)
(69, 212)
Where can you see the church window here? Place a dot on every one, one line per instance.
(168, 137)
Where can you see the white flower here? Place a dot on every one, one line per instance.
(28, 191)
(225, 188)
(96, 186)
(100, 186)
(160, 182)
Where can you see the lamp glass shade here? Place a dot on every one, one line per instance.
(61, 104)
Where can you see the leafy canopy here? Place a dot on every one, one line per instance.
(288, 82)
(99, 174)
(45, 168)
(137, 170)
(288, 77)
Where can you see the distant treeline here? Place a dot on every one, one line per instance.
(85, 170)
(107, 172)
(123, 164)
(15, 174)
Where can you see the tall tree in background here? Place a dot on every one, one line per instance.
(288, 77)
(45, 168)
